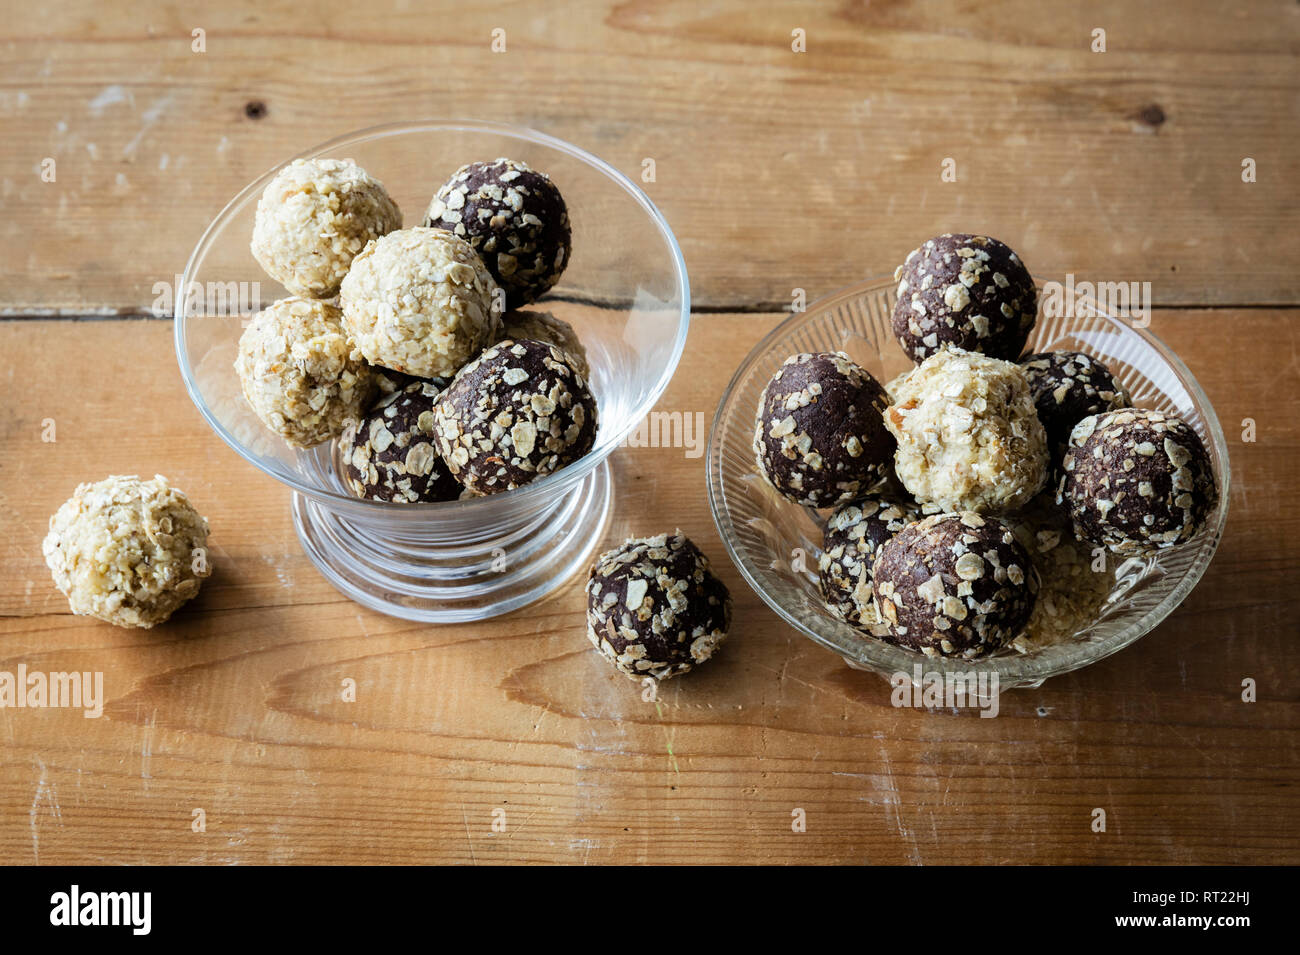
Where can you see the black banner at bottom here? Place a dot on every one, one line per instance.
(334, 905)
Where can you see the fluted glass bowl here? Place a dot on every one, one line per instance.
(626, 293)
(762, 530)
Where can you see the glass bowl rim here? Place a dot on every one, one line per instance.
(530, 492)
(1022, 669)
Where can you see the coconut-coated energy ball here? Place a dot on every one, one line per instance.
(420, 301)
(516, 413)
(654, 608)
(819, 437)
(514, 217)
(969, 438)
(127, 551)
(971, 291)
(1136, 481)
(954, 585)
(545, 327)
(850, 540)
(1067, 386)
(391, 455)
(314, 217)
(300, 373)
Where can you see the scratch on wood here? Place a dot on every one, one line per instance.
(45, 793)
(783, 677)
(668, 737)
(468, 841)
(894, 810)
(146, 749)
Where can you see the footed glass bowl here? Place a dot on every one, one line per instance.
(776, 544)
(626, 293)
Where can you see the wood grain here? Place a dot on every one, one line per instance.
(235, 706)
(778, 170)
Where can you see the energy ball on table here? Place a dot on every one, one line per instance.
(314, 217)
(954, 585)
(545, 327)
(853, 535)
(969, 438)
(390, 454)
(965, 290)
(654, 608)
(514, 217)
(1136, 481)
(300, 373)
(1067, 387)
(516, 413)
(819, 437)
(419, 301)
(127, 551)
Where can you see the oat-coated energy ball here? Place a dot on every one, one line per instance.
(654, 608)
(954, 585)
(545, 327)
(514, 217)
(127, 551)
(314, 217)
(420, 301)
(300, 373)
(1067, 387)
(968, 435)
(853, 535)
(1136, 481)
(819, 437)
(390, 454)
(965, 290)
(516, 413)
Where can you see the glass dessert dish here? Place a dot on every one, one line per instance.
(626, 294)
(775, 544)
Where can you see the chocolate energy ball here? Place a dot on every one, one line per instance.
(516, 413)
(954, 585)
(971, 291)
(853, 535)
(1067, 386)
(390, 454)
(1136, 481)
(314, 217)
(545, 327)
(820, 437)
(654, 608)
(514, 217)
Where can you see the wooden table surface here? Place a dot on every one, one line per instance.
(777, 170)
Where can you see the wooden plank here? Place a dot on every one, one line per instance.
(234, 707)
(778, 170)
